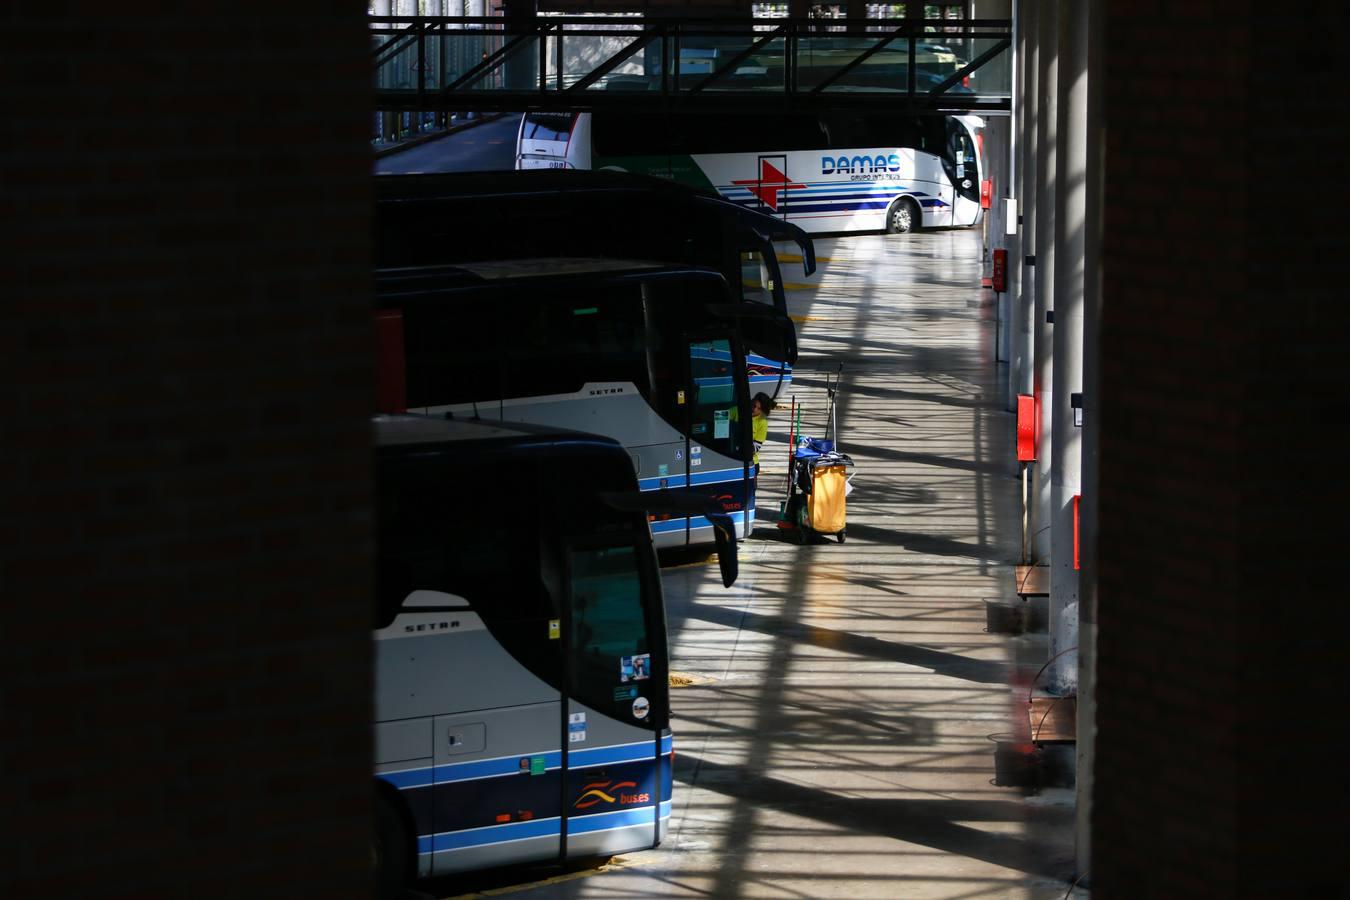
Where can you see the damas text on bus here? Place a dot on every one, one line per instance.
(878, 167)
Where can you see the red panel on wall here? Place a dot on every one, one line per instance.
(1026, 428)
(391, 388)
(1076, 498)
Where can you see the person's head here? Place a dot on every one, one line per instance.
(761, 404)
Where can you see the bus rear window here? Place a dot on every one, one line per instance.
(548, 126)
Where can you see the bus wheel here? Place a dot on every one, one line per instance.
(389, 851)
(903, 216)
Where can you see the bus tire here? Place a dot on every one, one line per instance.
(391, 848)
(903, 216)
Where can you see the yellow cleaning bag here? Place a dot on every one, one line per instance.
(826, 513)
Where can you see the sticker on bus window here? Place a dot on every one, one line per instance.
(641, 707)
(554, 629)
(635, 668)
(721, 424)
(538, 766)
(679, 398)
(700, 428)
(663, 470)
(624, 694)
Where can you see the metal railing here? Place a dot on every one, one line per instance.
(750, 65)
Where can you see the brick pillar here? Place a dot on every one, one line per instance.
(185, 528)
(1222, 663)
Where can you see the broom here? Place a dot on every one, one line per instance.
(794, 425)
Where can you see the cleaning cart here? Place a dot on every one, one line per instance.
(819, 476)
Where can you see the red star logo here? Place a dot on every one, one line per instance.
(769, 183)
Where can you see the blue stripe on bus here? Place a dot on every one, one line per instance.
(804, 205)
(601, 756)
(619, 818)
(719, 476)
(517, 831)
(510, 765)
(410, 778)
(489, 768)
(828, 187)
(492, 834)
(694, 522)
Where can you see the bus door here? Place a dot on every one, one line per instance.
(719, 424)
(762, 283)
(615, 741)
(962, 164)
(772, 186)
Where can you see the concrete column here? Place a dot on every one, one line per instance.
(436, 50)
(1047, 183)
(388, 120)
(1021, 277)
(1088, 29)
(1067, 341)
(997, 137)
(998, 166)
(521, 70)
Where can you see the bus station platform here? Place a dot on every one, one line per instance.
(846, 724)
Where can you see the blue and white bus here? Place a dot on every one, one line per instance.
(650, 354)
(832, 173)
(521, 679)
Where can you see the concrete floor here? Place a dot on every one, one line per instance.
(837, 740)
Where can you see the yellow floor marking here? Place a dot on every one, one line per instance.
(802, 319)
(799, 287)
(697, 562)
(793, 257)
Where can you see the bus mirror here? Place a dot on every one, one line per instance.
(770, 338)
(765, 331)
(659, 502)
(724, 536)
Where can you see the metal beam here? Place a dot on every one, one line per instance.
(736, 60)
(609, 65)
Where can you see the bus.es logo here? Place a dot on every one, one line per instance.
(609, 792)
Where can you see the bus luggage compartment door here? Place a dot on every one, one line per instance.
(493, 809)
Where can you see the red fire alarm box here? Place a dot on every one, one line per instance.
(986, 192)
(1026, 428)
(999, 281)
